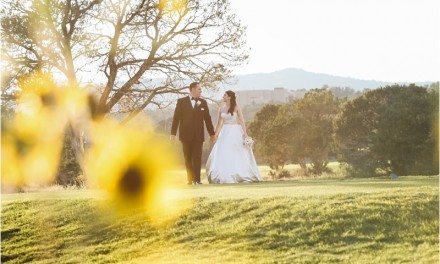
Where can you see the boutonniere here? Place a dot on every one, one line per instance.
(198, 103)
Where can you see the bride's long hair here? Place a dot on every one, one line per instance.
(233, 102)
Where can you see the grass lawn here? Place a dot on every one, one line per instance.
(296, 221)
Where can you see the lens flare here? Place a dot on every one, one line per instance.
(173, 6)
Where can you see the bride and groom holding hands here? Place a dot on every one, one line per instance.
(230, 160)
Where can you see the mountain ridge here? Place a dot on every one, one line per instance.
(295, 79)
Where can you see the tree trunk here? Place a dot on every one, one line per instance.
(76, 137)
(303, 165)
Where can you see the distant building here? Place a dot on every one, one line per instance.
(277, 95)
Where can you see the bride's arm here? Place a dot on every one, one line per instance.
(219, 122)
(241, 120)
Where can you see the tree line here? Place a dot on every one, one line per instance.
(389, 129)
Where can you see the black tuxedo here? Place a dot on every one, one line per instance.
(190, 121)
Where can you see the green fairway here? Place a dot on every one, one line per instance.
(297, 221)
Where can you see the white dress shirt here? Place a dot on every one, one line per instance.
(193, 102)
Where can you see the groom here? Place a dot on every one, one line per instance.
(190, 113)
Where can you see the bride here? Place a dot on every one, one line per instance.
(230, 161)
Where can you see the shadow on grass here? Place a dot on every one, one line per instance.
(366, 223)
(384, 182)
(332, 224)
(5, 236)
(337, 224)
(8, 234)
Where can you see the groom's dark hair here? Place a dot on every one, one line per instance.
(193, 85)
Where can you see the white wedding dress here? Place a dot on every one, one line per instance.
(230, 161)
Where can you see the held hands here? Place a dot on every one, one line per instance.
(213, 138)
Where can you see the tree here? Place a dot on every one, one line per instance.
(268, 147)
(353, 128)
(289, 122)
(136, 52)
(311, 120)
(347, 92)
(124, 43)
(297, 132)
(391, 129)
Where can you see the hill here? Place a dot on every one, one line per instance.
(303, 221)
(294, 79)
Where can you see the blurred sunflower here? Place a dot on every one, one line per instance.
(40, 112)
(32, 140)
(132, 164)
(30, 153)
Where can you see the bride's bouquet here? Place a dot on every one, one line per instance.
(248, 142)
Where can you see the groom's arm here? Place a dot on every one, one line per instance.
(208, 121)
(176, 119)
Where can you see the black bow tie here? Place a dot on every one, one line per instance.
(195, 99)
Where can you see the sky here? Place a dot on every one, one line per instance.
(386, 40)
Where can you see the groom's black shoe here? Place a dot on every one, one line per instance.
(198, 183)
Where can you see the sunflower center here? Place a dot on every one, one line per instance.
(132, 182)
(48, 99)
(22, 146)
